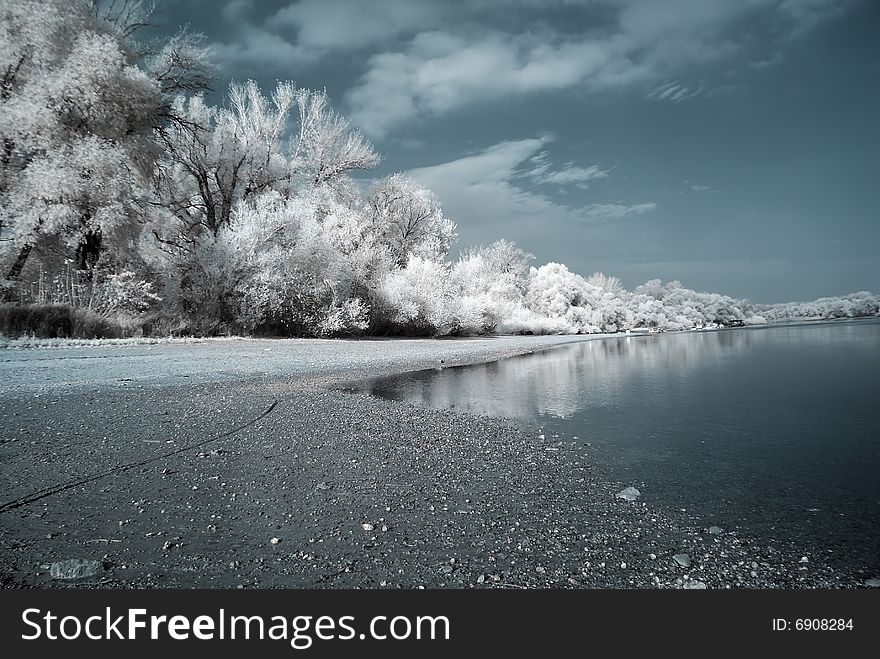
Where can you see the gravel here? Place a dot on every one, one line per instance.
(231, 464)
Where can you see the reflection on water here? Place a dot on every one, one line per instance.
(562, 381)
(771, 429)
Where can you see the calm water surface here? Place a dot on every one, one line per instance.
(774, 431)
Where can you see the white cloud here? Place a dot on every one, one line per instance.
(674, 92)
(569, 174)
(255, 47)
(616, 211)
(486, 188)
(441, 71)
(236, 11)
(443, 68)
(326, 25)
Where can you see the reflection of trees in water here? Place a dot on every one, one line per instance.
(564, 381)
(558, 382)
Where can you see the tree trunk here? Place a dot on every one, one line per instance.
(15, 271)
(89, 251)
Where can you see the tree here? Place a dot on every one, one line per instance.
(407, 217)
(608, 284)
(327, 148)
(419, 296)
(78, 121)
(232, 159)
(216, 157)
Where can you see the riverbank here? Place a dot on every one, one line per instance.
(230, 465)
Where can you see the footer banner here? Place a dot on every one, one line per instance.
(432, 622)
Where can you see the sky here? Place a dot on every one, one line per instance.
(729, 144)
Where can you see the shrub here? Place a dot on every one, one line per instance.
(55, 321)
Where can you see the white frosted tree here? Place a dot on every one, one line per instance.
(326, 148)
(408, 218)
(288, 146)
(78, 122)
(608, 284)
(419, 297)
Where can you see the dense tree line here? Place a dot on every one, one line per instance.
(124, 192)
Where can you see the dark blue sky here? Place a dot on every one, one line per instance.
(731, 144)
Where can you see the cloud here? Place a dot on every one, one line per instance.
(256, 48)
(442, 68)
(674, 92)
(539, 169)
(441, 71)
(805, 14)
(703, 188)
(322, 26)
(236, 11)
(616, 211)
(488, 187)
(569, 174)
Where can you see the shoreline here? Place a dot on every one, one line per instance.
(358, 491)
(35, 343)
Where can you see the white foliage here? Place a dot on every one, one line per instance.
(854, 305)
(419, 295)
(124, 292)
(277, 260)
(407, 217)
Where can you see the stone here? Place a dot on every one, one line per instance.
(714, 530)
(872, 583)
(694, 584)
(629, 494)
(682, 559)
(75, 568)
(275, 541)
(367, 527)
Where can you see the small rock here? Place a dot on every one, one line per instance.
(481, 578)
(804, 559)
(714, 530)
(682, 559)
(275, 541)
(75, 568)
(872, 583)
(629, 494)
(694, 584)
(367, 527)
(623, 566)
(323, 485)
(653, 557)
(384, 528)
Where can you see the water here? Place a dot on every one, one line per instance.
(773, 431)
